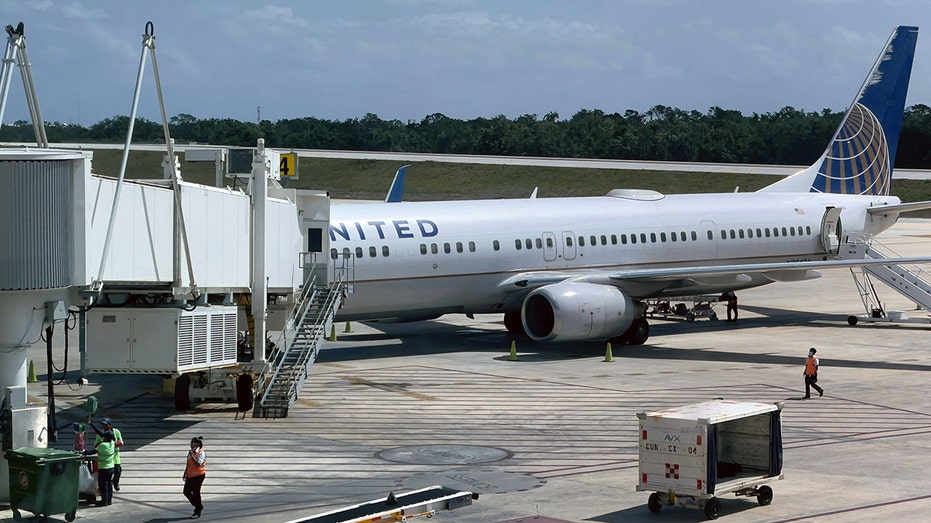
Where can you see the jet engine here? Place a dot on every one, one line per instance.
(579, 311)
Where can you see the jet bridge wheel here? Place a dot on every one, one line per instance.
(183, 392)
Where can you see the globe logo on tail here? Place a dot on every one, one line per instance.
(858, 159)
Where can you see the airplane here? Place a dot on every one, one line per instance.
(582, 268)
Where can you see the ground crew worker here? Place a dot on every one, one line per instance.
(731, 299)
(811, 374)
(194, 473)
(105, 450)
(118, 443)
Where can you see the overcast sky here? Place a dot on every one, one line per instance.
(406, 59)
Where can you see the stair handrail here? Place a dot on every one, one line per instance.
(913, 269)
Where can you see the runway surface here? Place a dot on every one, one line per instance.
(403, 406)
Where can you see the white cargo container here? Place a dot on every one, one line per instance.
(690, 454)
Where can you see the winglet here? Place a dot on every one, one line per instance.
(396, 192)
(861, 154)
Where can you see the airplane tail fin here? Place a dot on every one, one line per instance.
(861, 154)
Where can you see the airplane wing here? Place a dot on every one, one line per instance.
(645, 282)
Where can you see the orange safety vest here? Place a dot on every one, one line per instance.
(193, 468)
(811, 367)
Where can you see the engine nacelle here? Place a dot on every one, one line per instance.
(578, 311)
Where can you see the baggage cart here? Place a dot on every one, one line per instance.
(690, 455)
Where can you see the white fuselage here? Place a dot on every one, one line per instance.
(416, 260)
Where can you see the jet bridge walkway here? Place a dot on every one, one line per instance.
(424, 502)
(910, 281)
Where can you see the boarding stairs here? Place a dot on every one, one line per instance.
(306, 328)
(911, 281)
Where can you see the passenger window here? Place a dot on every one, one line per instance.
(652, 237)
(624, 239)
(723, 234)
(808, 229)
(539, 243)
(759, 233)
(633, 238)
(673, 237)
(517, 244)
(766, 230)
(604, 239)
(581, 241)
(785, 232)
(529, 243)
(423, 248)
(434, 249)
(458, 246)
(346, 253)
(568, 241)
(749, 233)
(549, 243)
(495, 245)
(662, 237)
(384, 251)
(446, 248)
(740, 233)
(733, 236)
(373, 252)
(775, 232)
(613, 239)
(594, 241)
(791, 231)
(333, 253)
(471, 246)
(800, 230)
(643, 237)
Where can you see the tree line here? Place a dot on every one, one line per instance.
(787, 137)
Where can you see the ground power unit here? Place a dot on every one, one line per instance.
(160, 340)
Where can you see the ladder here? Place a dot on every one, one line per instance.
(311, 317)
(909, 281)
(16, 55)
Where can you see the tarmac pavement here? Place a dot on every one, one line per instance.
(396, 407)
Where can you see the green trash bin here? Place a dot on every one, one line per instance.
(44, 481)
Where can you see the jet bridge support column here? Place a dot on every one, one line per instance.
(259, 282)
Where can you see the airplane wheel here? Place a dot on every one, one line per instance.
(852, 320)
(513, 324)
(638, 333)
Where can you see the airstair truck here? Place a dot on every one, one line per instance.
(691, 454)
